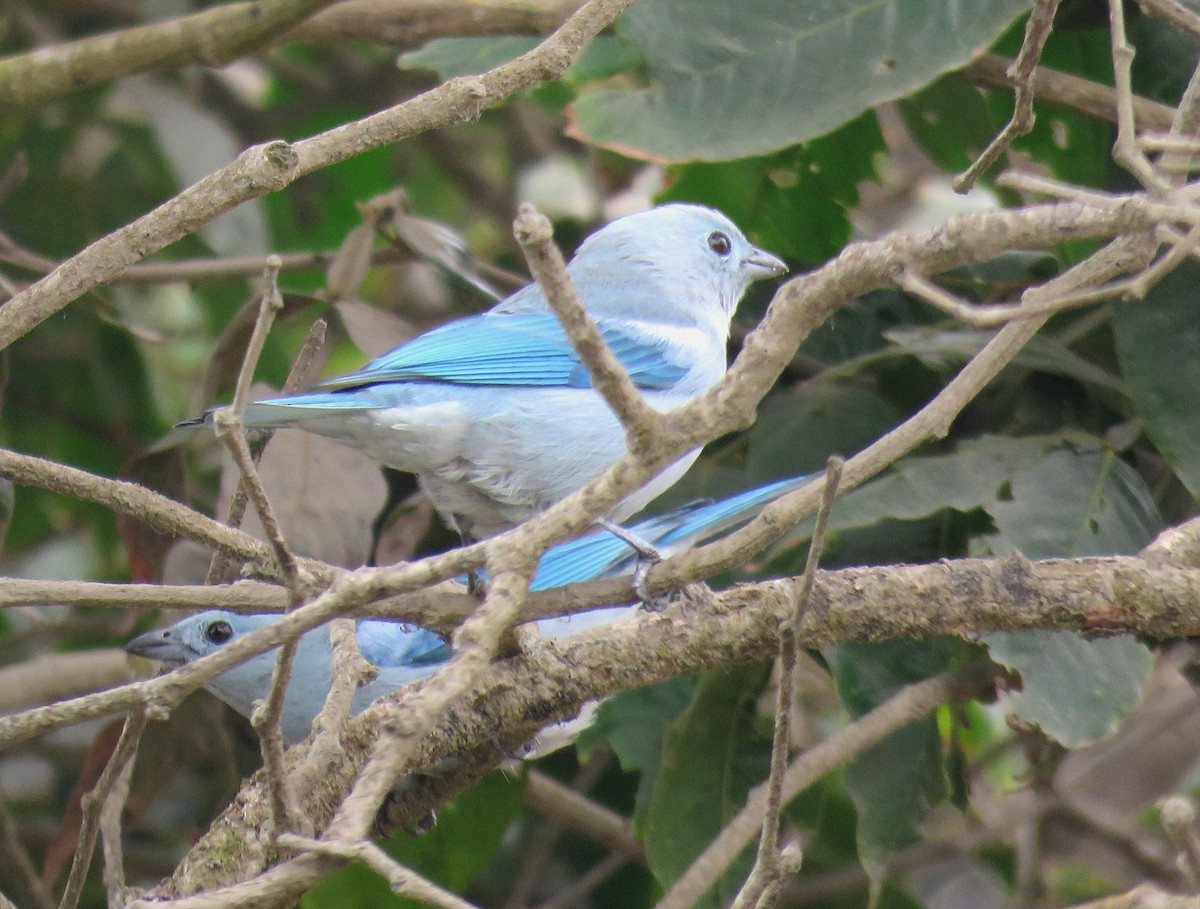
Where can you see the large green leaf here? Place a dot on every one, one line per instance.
(796, 433)
(794, 202)
(1073, 504)
(894, 783)
(1077, 691)
(711, 757)
(634, 723)
(1158, 346)
(729, 80)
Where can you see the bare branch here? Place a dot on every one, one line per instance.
(403, 881)
(94, 804)
(214, 37)
(569, 809)
(610, 379)
(770, 869)
(1067, 90)
(162, 514)
(1126, 151)
(909, 705)
(268, 168)
(221, 568)
(1037, 30)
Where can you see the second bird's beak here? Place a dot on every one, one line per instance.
(159, 645)
(761, 264)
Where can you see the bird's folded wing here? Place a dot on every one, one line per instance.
(385, 643)
(600, 554)
(528, 349)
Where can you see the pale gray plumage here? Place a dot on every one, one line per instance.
(495, 413)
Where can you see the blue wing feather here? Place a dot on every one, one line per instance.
(512, 349)
(600, 554)
(387, 643)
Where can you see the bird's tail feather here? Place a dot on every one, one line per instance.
(275, 413)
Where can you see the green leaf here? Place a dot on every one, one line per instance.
(793, 203)
(733, 80)
(951, 122)
(894, 783)
(797, 432)
(450, 57)
(942, 348)
(1164, 381)
(1073, 504)
(634, 723)
(1077, 691)
(973, 477)
(711, 758)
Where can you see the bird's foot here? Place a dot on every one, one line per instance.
(647, 557)
(476, 585)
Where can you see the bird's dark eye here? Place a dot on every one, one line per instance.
(218, 632)
(720, 243)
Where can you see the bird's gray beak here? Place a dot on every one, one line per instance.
(761, 264)
(160, 645)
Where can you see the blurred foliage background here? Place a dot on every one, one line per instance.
(810, 125)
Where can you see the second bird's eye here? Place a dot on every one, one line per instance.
(218, 632)
(720, 243)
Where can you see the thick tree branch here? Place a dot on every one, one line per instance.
(214, 37)
(549, 681)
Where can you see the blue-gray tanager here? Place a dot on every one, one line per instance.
(496, 413)
(405, 653)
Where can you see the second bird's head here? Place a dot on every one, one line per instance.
(686, 255)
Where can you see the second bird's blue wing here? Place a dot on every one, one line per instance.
(528, 348)
(386, 644)
(600, 554)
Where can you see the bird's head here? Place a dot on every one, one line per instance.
(687, 257)
(195, 637)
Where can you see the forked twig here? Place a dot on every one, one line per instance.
(1037, 30)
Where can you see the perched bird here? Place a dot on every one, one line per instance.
(496, 414)
(405, 653)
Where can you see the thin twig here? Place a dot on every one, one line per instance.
(93, 804)
(545, 835)
(769, 869)
(194, 271)
(610, 379)
(572, 810)
(403, 881)
(111, 810)
(573, 893)
(1067, 90)
(1174, 12)
(230, 423)
(907, 706)
(222, 565)
(1126, 150)
(1037, 30)
(350, 671)
(271, 167)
